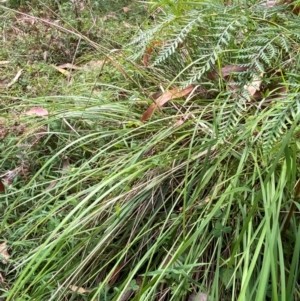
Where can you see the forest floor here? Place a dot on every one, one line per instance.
(121, 178)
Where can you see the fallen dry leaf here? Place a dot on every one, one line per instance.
(127, 25)
(9, 176)
(158, 10)
(116, 274)
(69, 66)
(37, 111)
(198, 297)
(3, 253)
(149, 50)
(78, 289)
(183, 119)
(226, 71)
(164, 98)
(93, 65)
(145, 59)
(180, 122)
(126, 295)
(270, 3)
(2, 188)
(3, 83)
(61, 70)
(26, 19)
(254, 86)
(110, 16)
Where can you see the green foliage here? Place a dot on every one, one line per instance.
(206, 37)
(101, 206)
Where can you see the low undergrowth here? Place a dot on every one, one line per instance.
(106, 194)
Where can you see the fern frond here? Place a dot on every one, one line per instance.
(230, 116)
(142, 41)
(285, 113)
(167, 51)
(222, 34)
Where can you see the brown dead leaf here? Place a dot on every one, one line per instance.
(116, 274)
(254, 86)
(26, 20)
(156, 94)
(61, 70)
(126, 295)
(226, 71)
(2, 188)
(207, 199)
(198, 297)
(110, 16)
(3, 253)
(127, 25)
(3, 83)
(270, 3)
(145, 60)
(37, 111)
(9, 176)
(78, 289)
(149, 50)
(93, 65)
(183, 119)
(179, 122)
(164, 98)
(126, 9)
(153, 15)
(69, 66)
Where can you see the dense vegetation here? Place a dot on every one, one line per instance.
(149, 150)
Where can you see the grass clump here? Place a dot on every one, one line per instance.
(199, 197)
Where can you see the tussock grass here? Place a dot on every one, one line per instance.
(101, 206)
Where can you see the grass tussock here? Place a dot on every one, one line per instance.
(199, 198)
